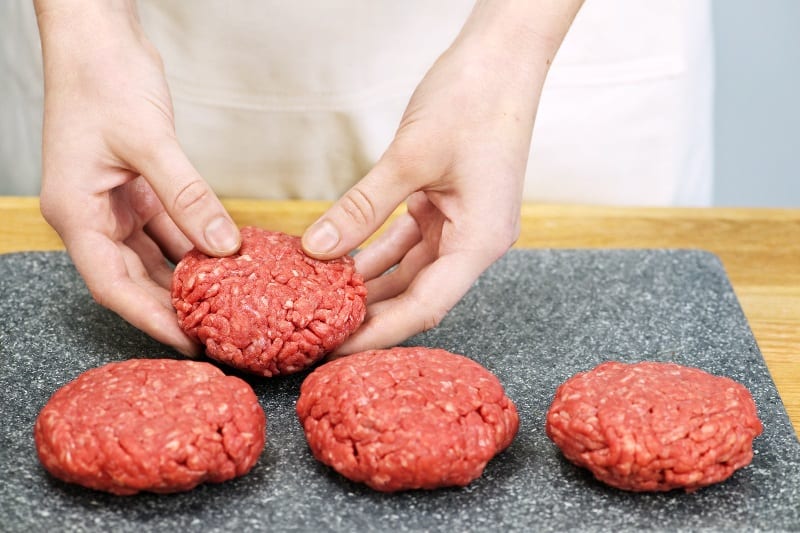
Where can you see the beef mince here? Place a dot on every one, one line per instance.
(406, 418)
(268, 309)
(653, 426)
(155, 425)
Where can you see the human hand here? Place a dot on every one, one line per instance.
(459, 158)
(116, 184)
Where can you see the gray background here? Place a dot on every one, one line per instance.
(757, 114)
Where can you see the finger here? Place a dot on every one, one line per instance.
(430, 296)
(389, 248)
(163, 230)
(139, 275)
(150, 258)
(112, 287)
(395, 282)
(359, 213)
(134, 304)
(155, 220)
(187, 198)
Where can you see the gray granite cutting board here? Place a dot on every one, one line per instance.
(535, 318)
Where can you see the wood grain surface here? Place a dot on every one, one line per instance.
(760, 249)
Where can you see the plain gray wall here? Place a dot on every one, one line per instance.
(757, 103)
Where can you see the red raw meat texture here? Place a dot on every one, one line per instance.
(157, 425)
(653, 426)
(269, 309)
(406, 418)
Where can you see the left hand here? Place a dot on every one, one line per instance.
(459, 160)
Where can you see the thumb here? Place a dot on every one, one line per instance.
(357, 214)
(189, 200)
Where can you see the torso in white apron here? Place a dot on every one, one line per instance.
(299, 99)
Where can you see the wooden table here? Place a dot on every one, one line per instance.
(760, 249)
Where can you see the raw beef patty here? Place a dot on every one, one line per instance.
(156, 425)
(654, 426)
(268, 309)
(406, 418)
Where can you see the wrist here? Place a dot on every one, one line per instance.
(89, 40)
(518, 34)
(84, 28)
(76, 9)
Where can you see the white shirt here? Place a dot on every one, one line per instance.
(298, 99)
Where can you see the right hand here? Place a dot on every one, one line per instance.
(116, 185)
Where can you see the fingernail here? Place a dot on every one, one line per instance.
(321, 238)
(222, 236)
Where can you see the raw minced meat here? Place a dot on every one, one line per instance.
(268, 309)
(156, 425)
(406, 418)
(653, 426)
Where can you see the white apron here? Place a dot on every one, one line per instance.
(298, 99)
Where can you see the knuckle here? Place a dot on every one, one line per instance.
(505, 242)
(497, 249)
(56, 209)
(357, 205)
(141, 147)
(99, 294)
(512, 233)
(501, 239)
(434, 311)
(193, 194)
(48, 206)
(412, 158)
(433, 319)
(405, 162)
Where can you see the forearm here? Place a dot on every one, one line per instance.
(87, 49)
(77, 9)
(81, 30)
(519, 35)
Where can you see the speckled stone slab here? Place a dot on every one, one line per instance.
(535, 318)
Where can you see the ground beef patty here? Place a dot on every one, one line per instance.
(268, 309)
(654, 426)
(406, 418)
(156, 425)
